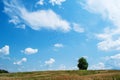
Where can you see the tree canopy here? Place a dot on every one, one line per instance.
(82, 64)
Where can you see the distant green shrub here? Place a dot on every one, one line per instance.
(3, 71)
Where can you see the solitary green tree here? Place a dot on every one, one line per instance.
(82, 64)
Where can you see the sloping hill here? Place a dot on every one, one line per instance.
(64, 75)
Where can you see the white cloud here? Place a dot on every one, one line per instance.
(56, 2)
(22, 26)
(109, 10)
(78, 28)
(36, 20)
(40, 2)
(113, 61)
(21, 61)
(4, 50)
(45, 19)
(30, 51)
(110, 40)
(117, 56)
(15, 20)
(109, 62)
(114, 57)
(58, 45)
(50, 62)
(99, 66)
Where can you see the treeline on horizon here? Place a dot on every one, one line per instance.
(3, 71)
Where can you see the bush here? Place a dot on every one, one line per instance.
(3, 71)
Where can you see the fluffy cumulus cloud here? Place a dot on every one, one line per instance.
(30, 51)
(50, 62)
(58, 45)
(4, 50)
(20, 61)
(36, 20)
(77, 28)
(56, 2)
(109, 10)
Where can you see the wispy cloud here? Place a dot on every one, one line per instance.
(56, 2)
(30, 51)
(4, 50)
(110, 62)
(15, 20)
(99, 66)
(22, 26)
(109, 10)
(78, 28)
(113, 61)
(36, 20)
(50, 62)
(58, 45)
(117, 56)
(110, 40)
(21, 61)
(40, 2)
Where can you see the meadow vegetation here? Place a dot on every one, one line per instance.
(63, 75)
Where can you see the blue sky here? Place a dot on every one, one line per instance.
(52, 34)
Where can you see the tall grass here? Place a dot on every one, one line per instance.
(64, 75)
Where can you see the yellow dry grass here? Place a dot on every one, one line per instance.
(64, 75)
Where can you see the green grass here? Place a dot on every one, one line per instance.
(63, 75)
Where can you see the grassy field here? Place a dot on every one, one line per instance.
(63, 75)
